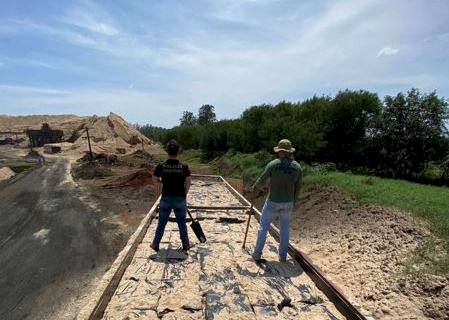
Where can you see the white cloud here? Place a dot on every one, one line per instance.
(232, 54)
(26, 62)
(32, 90)
(122, 45)
(27, 25)
(92, 18)
(387, 51)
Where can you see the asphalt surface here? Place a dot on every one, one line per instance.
(50, 246)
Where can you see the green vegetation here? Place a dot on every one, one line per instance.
(21, 168)
(196, 164)
(232, 164)
(18, 166)
(428, 202)
(399, 137)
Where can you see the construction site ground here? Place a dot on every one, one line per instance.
(217, 279)
(58, 235)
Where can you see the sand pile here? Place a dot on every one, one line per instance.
(109, 134)
(65, 122)
(365, 250)
(6, 173)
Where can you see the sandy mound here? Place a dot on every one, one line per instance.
(66, 122)
(109, 134)
(364, 250)
(6, 173)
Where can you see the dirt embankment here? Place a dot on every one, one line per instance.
(364, 249)
(121, 186)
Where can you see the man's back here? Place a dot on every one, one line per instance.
(285, 179)
(173, 174)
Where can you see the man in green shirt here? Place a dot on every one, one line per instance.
(285, 177)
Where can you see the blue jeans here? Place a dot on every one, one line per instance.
(179, 206)
(270, 209)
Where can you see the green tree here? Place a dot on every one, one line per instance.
(188, 119)
(346, 124)
(252, 120)
(152, 132)
(206, 114)
(411, 132)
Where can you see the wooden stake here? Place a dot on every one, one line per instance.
(250, 213)
(90, 148)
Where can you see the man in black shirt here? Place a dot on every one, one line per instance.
(175, 179)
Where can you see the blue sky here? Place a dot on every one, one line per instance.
(150, 60)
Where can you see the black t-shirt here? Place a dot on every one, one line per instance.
(173, 174)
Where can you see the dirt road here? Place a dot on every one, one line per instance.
(50, 247)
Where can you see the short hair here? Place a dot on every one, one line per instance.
(172, 148)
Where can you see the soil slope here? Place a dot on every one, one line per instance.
(363, 249)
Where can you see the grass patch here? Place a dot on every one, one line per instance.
(430, 203)
(247, 166)
(196, 165)
(431, 258)
(21, 168)
(231, 164)
(18, 166)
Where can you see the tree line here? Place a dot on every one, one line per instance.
(399, 136)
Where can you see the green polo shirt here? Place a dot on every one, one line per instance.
(285, 180)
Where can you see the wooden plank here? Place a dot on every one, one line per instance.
(195, 207)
